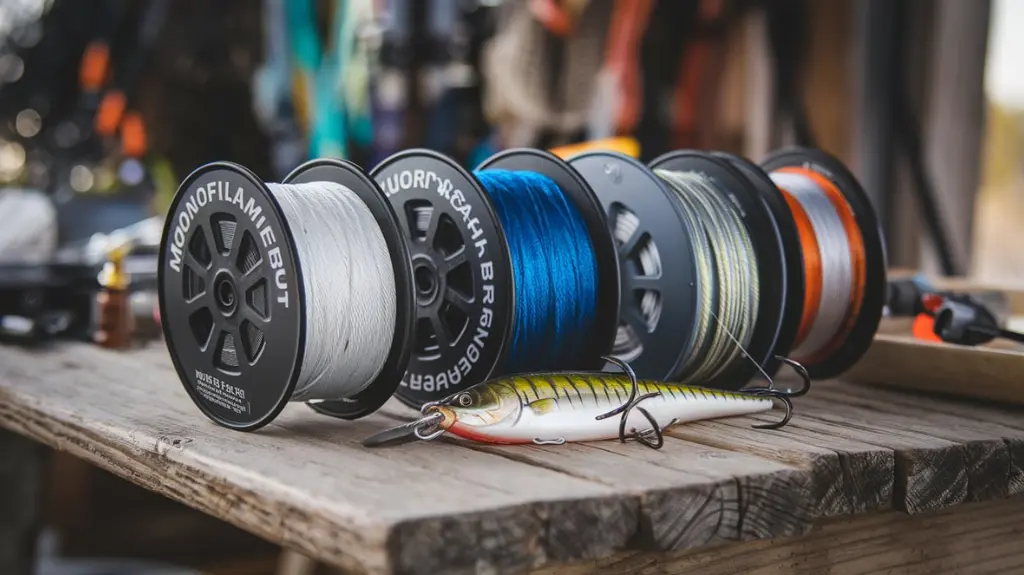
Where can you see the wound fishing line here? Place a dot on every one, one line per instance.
(700, 263)
(554, 270)
(349, 288)
(833, 260)
(271, 293)
(727, 277)
(842, 252)
(514, 267)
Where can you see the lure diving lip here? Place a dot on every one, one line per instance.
(553, 408)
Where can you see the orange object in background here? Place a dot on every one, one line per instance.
(924, 328)
(94, 67)
(110, 113)
(628, 146)
(133, 135)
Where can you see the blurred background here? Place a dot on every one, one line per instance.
(105, 105)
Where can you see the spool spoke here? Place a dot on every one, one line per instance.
(435, 219)
(252, 278)
(635, 320)
(458, 300)
(444, 339)
(197, 303)
(405, 222)
(212, 349)
(454, 260)
(647, 283)
(211, 244)
(628, 248)
(251, 315)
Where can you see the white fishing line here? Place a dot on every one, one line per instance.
(836, 260)
(349, 288)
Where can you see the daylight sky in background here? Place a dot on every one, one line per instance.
(1004, 72)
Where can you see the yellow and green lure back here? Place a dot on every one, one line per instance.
(557, 407)
(560, 407)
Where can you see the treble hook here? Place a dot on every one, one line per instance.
(783, 396)
(633, 402)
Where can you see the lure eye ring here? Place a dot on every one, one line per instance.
(464, 400)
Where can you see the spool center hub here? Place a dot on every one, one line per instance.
(429, 283)
(225, 293)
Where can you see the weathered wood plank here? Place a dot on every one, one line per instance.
(901, 360)
(304, 481)
(976, 538)
(930, 473)
(996, 451)
(691, 495)
(21, 482)
(847, 476)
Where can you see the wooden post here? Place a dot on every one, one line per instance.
(956, 120)
(21, 471)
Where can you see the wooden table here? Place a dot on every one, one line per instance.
(863, 480)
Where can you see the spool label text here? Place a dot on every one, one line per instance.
(428, 180)
(250, 206)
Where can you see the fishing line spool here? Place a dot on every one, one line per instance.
(472, 314)
(268, 292)
(843, 256)
(658, 244)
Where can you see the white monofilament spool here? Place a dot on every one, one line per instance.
(349, 288)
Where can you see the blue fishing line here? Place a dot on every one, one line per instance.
(554, 268)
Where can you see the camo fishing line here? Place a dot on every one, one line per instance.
(727, 277)
(298, 291)
(554, 269)
(834, 260)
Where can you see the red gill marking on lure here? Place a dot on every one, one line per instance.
(469, 432)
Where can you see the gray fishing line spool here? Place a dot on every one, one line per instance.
(271, 293)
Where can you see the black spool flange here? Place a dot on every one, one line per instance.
(384, 385)
(461, 272)
(767, 242)
(576, 188)
(231, 296)
(793, 262)
(623, 183)
(866, 323)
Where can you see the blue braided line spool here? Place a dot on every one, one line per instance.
(554, 269)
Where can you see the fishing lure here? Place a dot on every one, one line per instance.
(553, 408)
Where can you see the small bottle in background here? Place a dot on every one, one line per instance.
(113, 309)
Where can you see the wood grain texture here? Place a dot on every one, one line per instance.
(950, 417)
(976, 372)
(992, 470)
(929, 473)
(973, 539)
(21, 482)
(847, 476)
(305, 482)
(691, 495)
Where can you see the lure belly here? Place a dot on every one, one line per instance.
(565, 407)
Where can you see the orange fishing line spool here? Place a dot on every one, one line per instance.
(842, 253)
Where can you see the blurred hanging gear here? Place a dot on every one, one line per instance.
(28, 226)
(618, 97)
(539, 84)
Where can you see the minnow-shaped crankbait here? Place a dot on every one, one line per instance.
(554, 408)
